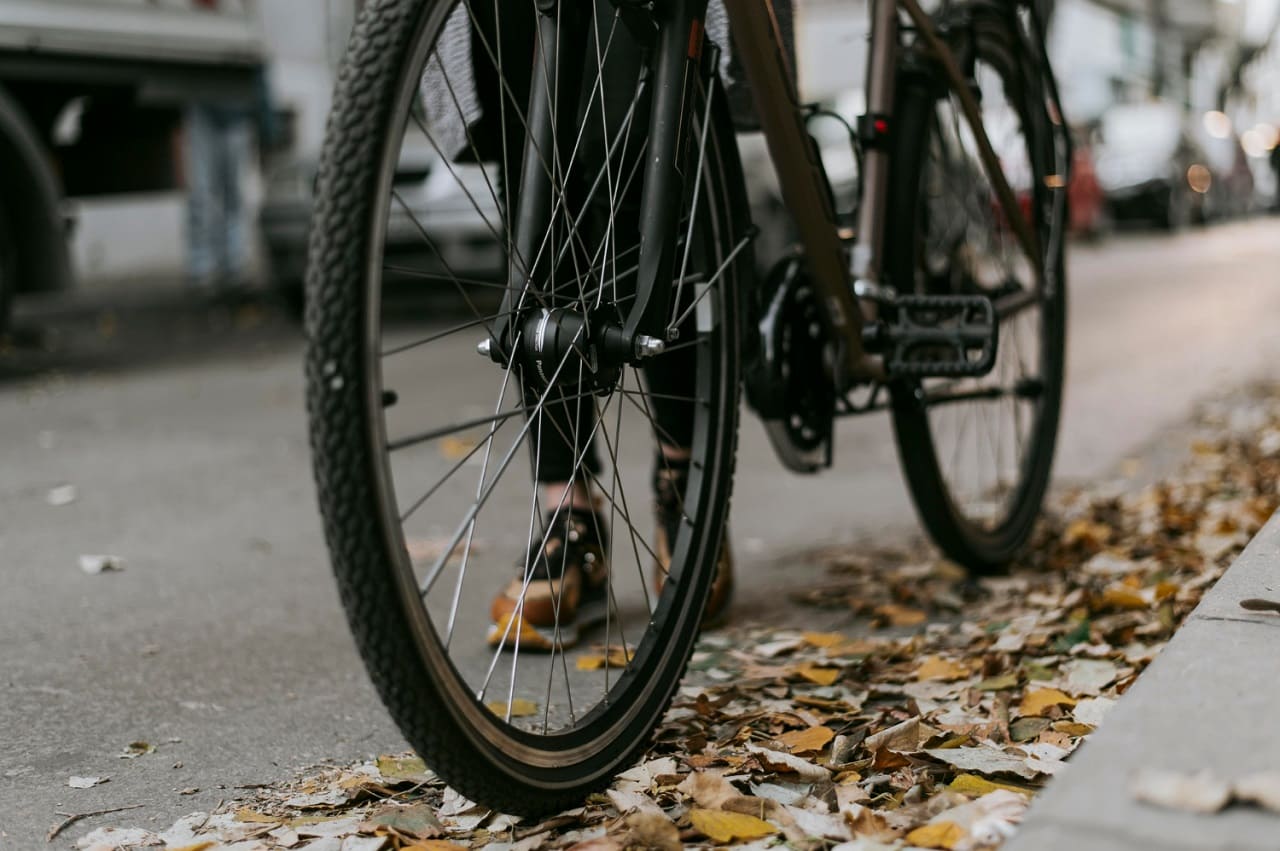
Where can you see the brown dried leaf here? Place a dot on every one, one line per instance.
(1040, 701)
(937, 668)
(941, 834)
(898, 615)
(808, 740)
(520, 708)
(820, 674)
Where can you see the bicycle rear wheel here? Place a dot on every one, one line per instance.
(977, 453)
(427, 483)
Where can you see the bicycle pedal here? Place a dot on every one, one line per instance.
(938, 336)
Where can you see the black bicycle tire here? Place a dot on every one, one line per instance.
(345, 461)
(982, 552)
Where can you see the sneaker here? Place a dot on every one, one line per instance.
(568, 578)
(670, 480)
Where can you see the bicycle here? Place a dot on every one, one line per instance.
(623, 247)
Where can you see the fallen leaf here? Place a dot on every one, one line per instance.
(403, 768)
(823, 639)
(1255, 604)
(86, 782)
(723, 828)
(974, 786)
(520, 708)
(1089, 676)
(898, 615)
(651, 829)
(823, 676)
(136, 749)
(984, 760)
(941, 834)
(247, 814)
(1000, 683)
(434, 845)
(807, 740)
(626, 801)
(61, 495)
(109, 838)
(1194, 793)
(417, 821)
(902, 737)
(709, 791)
(1262, 789)
(1026, 729)
(937, 668)
(96, 564)
(1123, 598)
(1040, 701)
(779, 761)
(455, 448)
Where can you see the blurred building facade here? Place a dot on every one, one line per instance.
(1205, 55)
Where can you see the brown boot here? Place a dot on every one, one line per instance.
(564, 591)
(670, 480)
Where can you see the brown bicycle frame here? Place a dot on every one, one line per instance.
(837, 275)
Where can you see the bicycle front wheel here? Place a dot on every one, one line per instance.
(431, 459)
(977, 453)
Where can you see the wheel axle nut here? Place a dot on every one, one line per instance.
(485, 346)
(647, 347)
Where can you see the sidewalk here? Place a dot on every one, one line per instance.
(1208, 702)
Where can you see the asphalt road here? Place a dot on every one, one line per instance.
(221, 643)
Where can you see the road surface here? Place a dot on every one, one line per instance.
(221, 643)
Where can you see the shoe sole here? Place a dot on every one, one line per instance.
(514, 631)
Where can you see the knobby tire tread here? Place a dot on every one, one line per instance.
(345, 461)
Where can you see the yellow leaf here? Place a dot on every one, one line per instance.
(435, 845)
(725, 827)
(1120, 597)
(250, 815)
(195, 846)
(856, 647)
(520, 708)
(1037, 703)
(823, 639)
(937, 668)
(901, 615)
(940, 834)
(818, 674)
(807, 741)
(455, 448)
(975, 786)
(1092, 535)
(401, 767)
(618, 657)
(1072, 728)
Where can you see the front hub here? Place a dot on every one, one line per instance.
(565, 348)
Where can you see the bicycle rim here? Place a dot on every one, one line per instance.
(445, 438)
(978, 452)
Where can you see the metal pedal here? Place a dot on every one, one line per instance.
(938, 336)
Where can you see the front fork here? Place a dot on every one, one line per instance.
(672, 35)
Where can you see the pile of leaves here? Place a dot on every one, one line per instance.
(929, 724)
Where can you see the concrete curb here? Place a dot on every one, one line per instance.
(1209, 701)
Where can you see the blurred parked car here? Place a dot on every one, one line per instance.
(442, 227)
(1150, 166)
(1231, 188)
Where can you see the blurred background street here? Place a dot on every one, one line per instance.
(151, 406)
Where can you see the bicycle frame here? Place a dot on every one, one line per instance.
(844, 282)
(849, 282)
